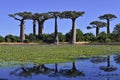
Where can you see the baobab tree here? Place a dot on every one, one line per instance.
(55, 15)
(32, 17)
(34, 26)
(107, 17)
(41, 18)
(21, 16)
(73, 15)
(97, 25)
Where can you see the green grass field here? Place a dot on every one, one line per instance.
(42, 54)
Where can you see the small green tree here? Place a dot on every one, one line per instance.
(10, 38)
(116, 33)
(61, 37)
(79, 35)
(2, 39)
(32, 37)
(117, 29)
(67, 37)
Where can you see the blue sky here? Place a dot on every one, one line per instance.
(92, 8)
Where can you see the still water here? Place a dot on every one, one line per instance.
(96, 68)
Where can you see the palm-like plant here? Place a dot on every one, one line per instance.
(55, 15)
(21, 16)
(108, 17)
(73, 15)
(97, 25)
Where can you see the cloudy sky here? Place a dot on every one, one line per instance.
(92, 8)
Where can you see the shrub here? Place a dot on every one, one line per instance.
(26, 41)
(108, 40)
(2, 39)
(11, 38)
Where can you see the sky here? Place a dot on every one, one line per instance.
(92, 8)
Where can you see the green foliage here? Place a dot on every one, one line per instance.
(48, 38)
(26, 41)
(61, 37)
(11, 38)
(68, 37)
(107, 16)
(98, 24)
(103, 37)
(32, 38)
(115, 36)
(89, 37)
(117, 29)
(79, 35)
(108, 40)
(2, 39)
(71, 14)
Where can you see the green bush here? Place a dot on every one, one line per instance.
(11, 38)
(2, 39)
(108, 40)
(26, 41)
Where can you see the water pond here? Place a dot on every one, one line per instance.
(95, 68)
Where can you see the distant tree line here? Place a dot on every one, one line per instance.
(80, 36)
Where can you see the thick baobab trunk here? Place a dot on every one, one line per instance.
(40, 27)
(73, 33)
(22, 34)
(56, 40)
(73, 66)
(108, 26)
(56, 68)
(97, 31)
(108, 61)
(34, 27)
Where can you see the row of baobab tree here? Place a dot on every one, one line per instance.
(42, 17)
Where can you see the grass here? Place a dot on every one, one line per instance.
(42, 54)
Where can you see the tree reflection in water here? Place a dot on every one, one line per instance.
(72, 72)
(109, 67)
(101, 59)
(98, 59)
(117, 58)
(42, 69)
(28, 71)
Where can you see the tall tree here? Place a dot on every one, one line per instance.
(55, 15)
(41, 18)
(73, 15)
(21, 16)
(97, 25)
(34, 26)
(107, 17)
(32, 17)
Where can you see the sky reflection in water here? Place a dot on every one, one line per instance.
(96, 68)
